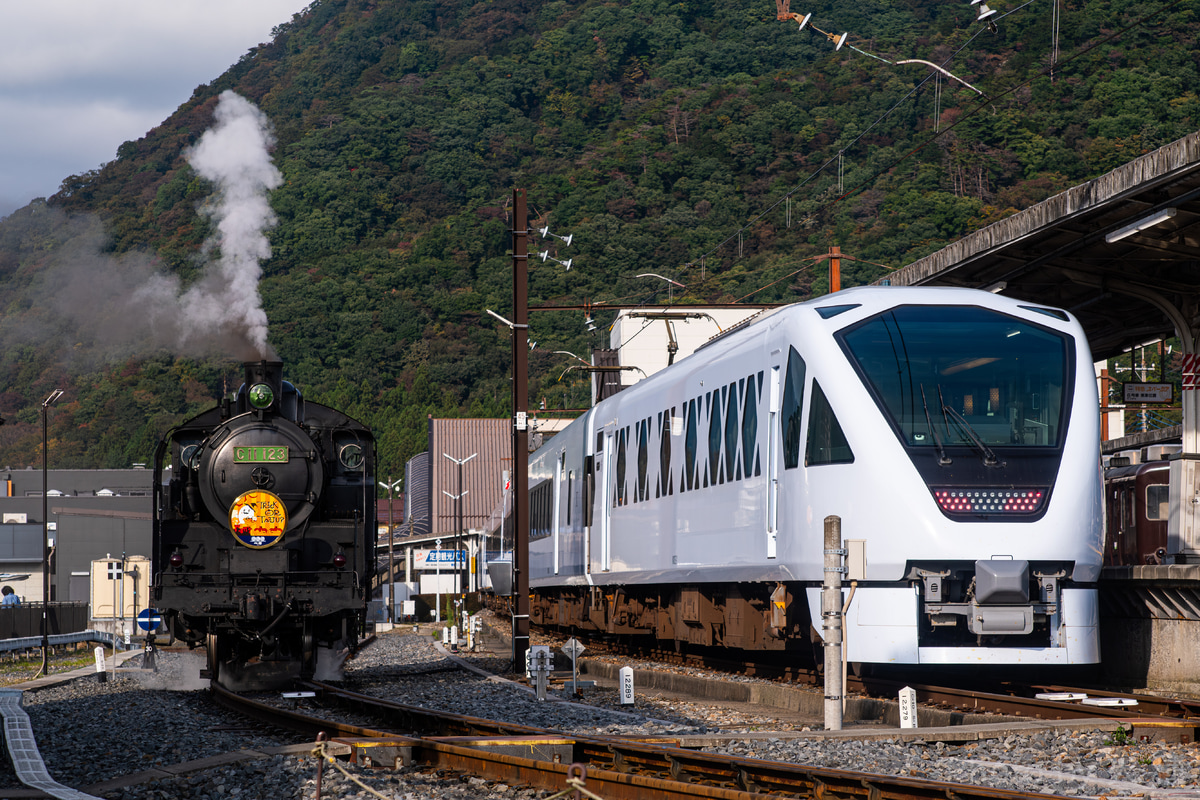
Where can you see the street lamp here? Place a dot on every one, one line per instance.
(391, 546)
(49, 401)
(458, 500)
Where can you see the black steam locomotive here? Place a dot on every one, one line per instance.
(264, 538)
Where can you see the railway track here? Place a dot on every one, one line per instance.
(1005, 697)
(614, 768)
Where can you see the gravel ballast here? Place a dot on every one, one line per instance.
(90, 732)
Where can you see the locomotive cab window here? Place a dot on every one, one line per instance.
(964, 374)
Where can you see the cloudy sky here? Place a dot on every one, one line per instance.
(79, 77)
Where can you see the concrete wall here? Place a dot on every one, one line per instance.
(1150, 627)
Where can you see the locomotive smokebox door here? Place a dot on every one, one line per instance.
(263, 458)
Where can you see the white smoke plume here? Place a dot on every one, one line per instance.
(100, 307)
(223, 309)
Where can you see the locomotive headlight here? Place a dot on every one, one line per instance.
(351, 456)
(176, 560)
(339, 560)
(261, 395)
(990, 501)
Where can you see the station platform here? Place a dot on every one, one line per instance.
(1150, 627)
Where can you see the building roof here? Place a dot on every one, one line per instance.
(1121, 252)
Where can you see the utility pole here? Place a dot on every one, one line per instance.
(520, 245)
(835, 269)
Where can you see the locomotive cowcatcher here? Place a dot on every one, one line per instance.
(264, 536)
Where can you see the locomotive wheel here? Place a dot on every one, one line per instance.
(214, 661)
(308, 654)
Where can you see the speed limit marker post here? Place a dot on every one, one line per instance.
(573, 649)
(149, 620)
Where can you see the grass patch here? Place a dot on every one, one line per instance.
(24, 666)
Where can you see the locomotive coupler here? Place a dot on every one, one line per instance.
(256, 607)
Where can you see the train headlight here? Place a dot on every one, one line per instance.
(339, 560)
(977, 501)
(261, 395)
(176, 560)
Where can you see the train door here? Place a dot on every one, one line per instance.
(773, 464)
(559, 464)
(609, 463)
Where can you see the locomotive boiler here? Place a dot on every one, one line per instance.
(264, 535)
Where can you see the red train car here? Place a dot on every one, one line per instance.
(1136, 507)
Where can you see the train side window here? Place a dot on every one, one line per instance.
(1158, 501)
(689, 449)
(666, 485)
(589, 488)
(642, 491)
(714, 438)
(826, 442)
(731, 431)
(750, 463)
(619, 495)
(793, 406)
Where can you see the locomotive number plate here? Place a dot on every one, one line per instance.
(257, 519)
(260, 455)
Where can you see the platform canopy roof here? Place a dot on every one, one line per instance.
(1121, 252)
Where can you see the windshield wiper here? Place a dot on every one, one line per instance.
(989, 457)
(943, 459)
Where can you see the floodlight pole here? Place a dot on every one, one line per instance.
(391, 547)
(458, 583)
(520, 379)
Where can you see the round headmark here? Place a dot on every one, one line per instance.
(257, 519)
(261, 395)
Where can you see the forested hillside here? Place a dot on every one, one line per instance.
(702, 140)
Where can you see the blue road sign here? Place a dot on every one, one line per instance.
(148, 619)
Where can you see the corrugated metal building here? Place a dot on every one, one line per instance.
(485, 447)
(417, 513)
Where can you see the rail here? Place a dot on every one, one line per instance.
(617, 768)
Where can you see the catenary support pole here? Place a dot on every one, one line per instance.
(520, 367)
(831, 622)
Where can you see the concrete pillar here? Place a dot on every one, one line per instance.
(1183, 526)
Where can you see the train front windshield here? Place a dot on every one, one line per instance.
(961, 375)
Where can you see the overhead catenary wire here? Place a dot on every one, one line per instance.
(828, 164)
(984, 102)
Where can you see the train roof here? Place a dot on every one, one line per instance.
(882, 297)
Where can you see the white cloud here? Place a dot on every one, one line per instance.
(79, 77)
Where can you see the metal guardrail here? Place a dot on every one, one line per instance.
(34, 642)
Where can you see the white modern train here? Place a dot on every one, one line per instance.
(955, 433)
